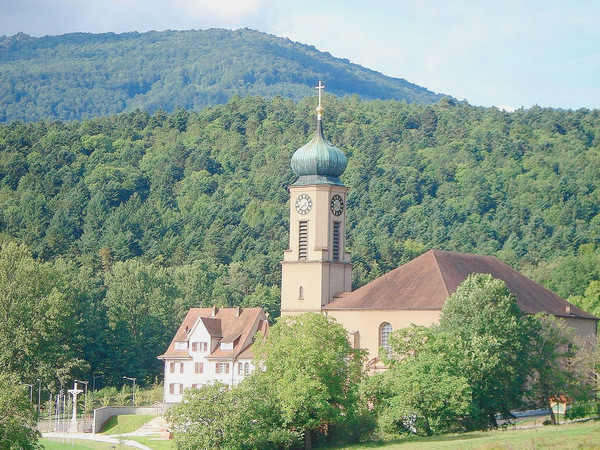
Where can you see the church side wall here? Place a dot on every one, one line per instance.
(584, 328)
(368, 323)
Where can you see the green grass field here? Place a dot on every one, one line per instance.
(584, 435)
(125, 423)
(80, 444)
(153, 442)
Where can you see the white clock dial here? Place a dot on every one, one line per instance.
(303, 203)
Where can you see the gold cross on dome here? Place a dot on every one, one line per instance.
(320, 88)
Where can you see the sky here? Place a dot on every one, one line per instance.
(504, 53)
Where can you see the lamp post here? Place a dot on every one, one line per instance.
(133, 389)
(94, 381)
(39, 395)
(30, 391)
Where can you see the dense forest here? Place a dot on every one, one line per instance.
(83, 75)
(121, 223)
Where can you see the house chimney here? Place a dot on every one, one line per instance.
(238, 311)
(568, 309)
(214, 311)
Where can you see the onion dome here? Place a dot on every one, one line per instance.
(318, 162)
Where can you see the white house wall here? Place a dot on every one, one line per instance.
(188, 378)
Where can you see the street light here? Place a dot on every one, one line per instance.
(94, 381)
(30, 391)
(133, 389)
(39, 394)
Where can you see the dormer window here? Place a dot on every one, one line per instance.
(181, 345)
(226, 345)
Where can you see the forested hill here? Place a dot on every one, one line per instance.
(82, 75)
(146, 215)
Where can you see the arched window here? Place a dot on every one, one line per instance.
(301, 293)
(384, 335)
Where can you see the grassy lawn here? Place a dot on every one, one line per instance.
(125, 423)
(571, 436)
(153, 442)
(80, 444)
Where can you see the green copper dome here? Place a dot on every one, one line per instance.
(318, 162)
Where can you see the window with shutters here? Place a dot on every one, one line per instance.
(336, 241)
(172, 367)
(180, 367)
(303, 240)
(181, 345)
(175, 388)
(222, 367)
(246, 368)
(199, 367)
(240, 368)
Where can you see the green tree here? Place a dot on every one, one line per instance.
(202, 419)
(140, 309)
(244, 417)
(420, 393)
(18, 420)
(550, 351)
(487, 340)
(36, 316)
(312, 370)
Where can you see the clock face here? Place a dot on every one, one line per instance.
(303, 203)
(337, 205)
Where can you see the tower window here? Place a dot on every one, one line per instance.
(301, 293)
(336, 241)
(303, 240)
(384, 336)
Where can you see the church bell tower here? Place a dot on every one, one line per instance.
(316, 265)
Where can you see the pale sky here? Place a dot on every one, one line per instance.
(490, 53)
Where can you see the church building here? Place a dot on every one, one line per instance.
(316, 268)
(215, 344)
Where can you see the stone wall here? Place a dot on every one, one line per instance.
(46, 426)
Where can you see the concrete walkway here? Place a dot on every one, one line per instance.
(94, 437)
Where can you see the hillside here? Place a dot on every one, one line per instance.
(82, 75)
(146, 215)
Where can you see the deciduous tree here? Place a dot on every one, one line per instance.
(312, 370)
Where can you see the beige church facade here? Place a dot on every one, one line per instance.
(316, 268)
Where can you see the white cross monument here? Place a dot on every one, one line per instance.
(74, 392)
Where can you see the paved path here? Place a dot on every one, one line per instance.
(94, 437)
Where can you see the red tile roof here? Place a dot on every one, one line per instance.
(238, 325)
(428, 280)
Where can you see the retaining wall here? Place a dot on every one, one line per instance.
(101, 415)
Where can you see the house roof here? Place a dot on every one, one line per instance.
(213, 326)
(239, 325)
(428, 280)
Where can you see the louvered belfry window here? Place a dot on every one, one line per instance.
(303, 240)
(336, 241)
